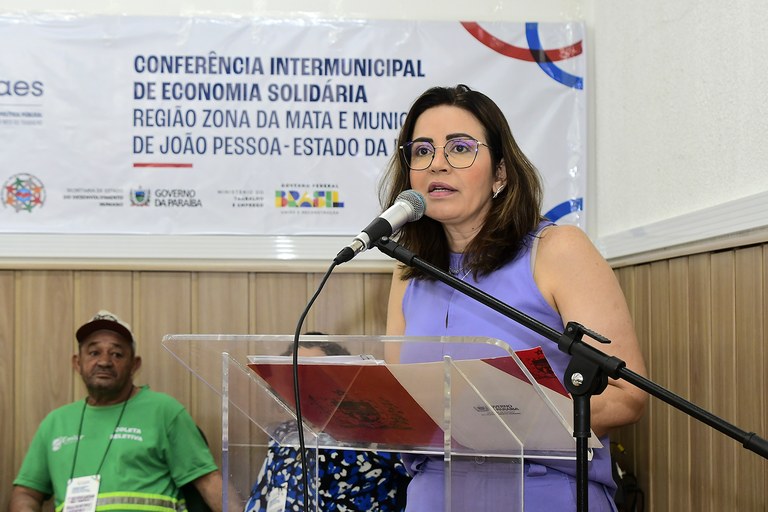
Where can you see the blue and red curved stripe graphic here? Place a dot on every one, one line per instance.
(567, 207)
(534, 53)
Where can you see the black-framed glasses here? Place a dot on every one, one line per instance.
(460, 152)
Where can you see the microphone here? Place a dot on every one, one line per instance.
(408, 207)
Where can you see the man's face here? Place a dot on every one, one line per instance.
(106, 363)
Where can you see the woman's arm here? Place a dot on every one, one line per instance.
(576, 281)
(395, 318)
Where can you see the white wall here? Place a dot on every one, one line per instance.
(680, 118)
(678, 121)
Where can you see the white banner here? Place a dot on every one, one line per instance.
(177, 125)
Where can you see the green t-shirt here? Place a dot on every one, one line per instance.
(155, 448)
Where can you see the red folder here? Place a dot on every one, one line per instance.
(354, 403)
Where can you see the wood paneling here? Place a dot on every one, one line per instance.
(750, 380)
(678, 366)
(376, 296)
(724, 371)
(703, 318)
(8, 444)
(221, 306)
(44, 344)
(340, 308)
(164, 307)
(643, 322)
(278, 301)
(659, 371)
(700, 357)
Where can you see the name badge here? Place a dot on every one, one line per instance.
(82, 493)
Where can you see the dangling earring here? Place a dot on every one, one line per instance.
(498, 191)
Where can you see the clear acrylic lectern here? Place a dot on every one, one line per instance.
(464, 415)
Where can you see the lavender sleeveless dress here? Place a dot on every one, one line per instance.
(435, 309)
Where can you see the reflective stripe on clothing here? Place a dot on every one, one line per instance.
(136, 501)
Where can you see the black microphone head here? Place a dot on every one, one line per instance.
(416, 202)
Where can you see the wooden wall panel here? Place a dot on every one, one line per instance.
(714, 321)
(340, 307)
(724, 371)
(7, 375)
(642, 310)
(750, 380)
(659, 371)
(762, 429)
(700, 357)
(221, 305)
(96, 290)
(44, 344)
(376, 290)
(278, 300)
(678, 381)
(164, 307)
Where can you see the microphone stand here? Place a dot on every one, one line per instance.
(587, 373)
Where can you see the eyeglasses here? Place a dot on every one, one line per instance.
(460, 153)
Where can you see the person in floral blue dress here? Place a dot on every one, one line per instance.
(349, 480)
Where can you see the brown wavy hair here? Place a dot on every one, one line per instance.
(513, 214)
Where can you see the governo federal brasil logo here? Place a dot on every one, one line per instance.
(23, 192)
(308, 199)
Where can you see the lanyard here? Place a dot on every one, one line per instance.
(80, 431)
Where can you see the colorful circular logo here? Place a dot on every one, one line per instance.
(23, 192)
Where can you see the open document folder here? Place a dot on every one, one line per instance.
(496, 404)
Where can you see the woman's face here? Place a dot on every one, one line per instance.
(457, 198)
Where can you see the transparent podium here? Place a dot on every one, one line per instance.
(470, 423)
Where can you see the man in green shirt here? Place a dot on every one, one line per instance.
(123, 448)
